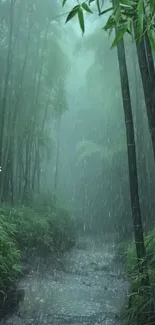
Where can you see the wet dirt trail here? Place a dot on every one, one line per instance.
(88, 287)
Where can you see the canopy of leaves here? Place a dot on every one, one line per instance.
(123, 15)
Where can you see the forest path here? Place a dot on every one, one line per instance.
(88, 287)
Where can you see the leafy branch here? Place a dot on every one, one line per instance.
(123, 16)
(78, 11)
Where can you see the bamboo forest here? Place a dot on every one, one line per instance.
(77, 162)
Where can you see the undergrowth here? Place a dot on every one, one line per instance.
(141, 304)
(23, 229)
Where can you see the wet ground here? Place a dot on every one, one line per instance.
(87, 286)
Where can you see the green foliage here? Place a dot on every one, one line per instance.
(73, 12)
(124, 15)
(62, 223)
(150, 249)
(81, 19)
(31, 229)
(86, 7)
(78, 10)
(23, 229)
(9, 253)
(141, 298)
(38, 231)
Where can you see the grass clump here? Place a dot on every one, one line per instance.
(9, 254)
(10, 257)
(142, 299)
(31, 229)
(23, 229)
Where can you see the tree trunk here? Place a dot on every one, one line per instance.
(57, 156)
(146, 315)
(141, 148)
(37, 153)
(5, 91)
(132, 163)
(146, 66)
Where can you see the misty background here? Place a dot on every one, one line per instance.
(93, 170)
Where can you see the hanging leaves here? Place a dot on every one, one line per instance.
(63, 2)
(140, 16)
(72, 13)
(111, 23)
(130, 28)
(106, 10)
(152, 40)
(118, 37)
(98, 6)
(78, 10)
(90, 1)
(123, 15)
(81, 20)
(86, 7)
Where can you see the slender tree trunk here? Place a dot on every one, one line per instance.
(5, 91)
(134, 190)
(132, 163)
(38, 173)
(39, 82)
(37, 154)
(30, 133)
(57, 156)
(20, 169)
(26, 171)
(141, 156)
(147, 71)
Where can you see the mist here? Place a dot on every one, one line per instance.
(77, 168)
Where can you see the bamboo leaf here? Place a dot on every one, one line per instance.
(123, 5)
(106, 10)
(127, 3)
(110, 23)
(81, 19)
(140, 13)
(98, 6)
(130, 27)
(152, 40)
(118, 37)
(86, 7)
(63, 2)
(152, 6)
(117, 14)
(72, 13)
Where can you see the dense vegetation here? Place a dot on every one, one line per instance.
(26, 233)
(141, 300)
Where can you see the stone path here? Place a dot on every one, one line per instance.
(88, 287)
